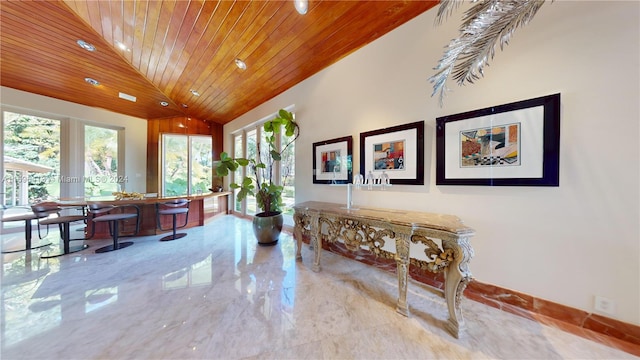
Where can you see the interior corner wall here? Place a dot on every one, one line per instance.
(564, 244)
(135, 129)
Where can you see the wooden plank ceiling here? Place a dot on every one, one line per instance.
(162, 50)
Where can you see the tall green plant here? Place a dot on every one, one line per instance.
(259, 179)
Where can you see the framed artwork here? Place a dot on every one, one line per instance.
(397, 151)
(332, 161)
(516, 144)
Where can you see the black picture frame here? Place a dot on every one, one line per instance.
(514, 144)
(338, 170)
(403, 167)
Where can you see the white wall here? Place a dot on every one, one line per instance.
(564, 244)
(135, 130)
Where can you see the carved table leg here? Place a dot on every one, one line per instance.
(297, 234)
(402, 266)
(457, 276)
(316, 241)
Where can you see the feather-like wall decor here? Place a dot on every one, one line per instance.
(484, 25)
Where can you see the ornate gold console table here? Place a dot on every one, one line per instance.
(367, 228)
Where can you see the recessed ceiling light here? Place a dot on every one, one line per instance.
(241, 64)
(195, 93)
(301, 6)
(85, 45)
(185, 106)
(91, 81)
(164, 103)
(122, 46)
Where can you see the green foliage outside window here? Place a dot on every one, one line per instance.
(181, 153)
(36, 140)
(101, 161)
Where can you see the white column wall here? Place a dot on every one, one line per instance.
(564, 244)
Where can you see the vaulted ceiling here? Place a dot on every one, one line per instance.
(164, 51)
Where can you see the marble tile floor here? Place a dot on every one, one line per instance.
(215, 294)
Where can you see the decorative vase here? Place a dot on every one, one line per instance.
(267, 227)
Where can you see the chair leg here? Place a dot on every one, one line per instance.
(116, 245)
(115, 234)
(174, 235)
(93, 227)
(186, 220)
(66, 246)
(175, 220)
(65, 236)
(40, 232)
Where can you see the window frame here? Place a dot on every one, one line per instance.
(242, 132)
(120, 160)
(71, 152)
(189, 157)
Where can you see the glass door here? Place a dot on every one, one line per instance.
(245, 144)
(101, 161)
(252, 153)
(201, 164)
(288, 176)
(238, 152)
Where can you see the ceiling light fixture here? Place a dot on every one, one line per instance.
(85, 45)
(241, 64)
(164, 103)
(122, 46)
(301, 6)
(195, 93)
(185, 106)
(91, 81)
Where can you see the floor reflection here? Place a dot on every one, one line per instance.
(41, 295)
(216, 294)
(198, 274)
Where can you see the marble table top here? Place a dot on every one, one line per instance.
(449, 223)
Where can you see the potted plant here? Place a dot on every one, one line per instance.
(259, 177)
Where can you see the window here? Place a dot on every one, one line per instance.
(238, 152)
(31, 149)
(252, 153)
(186, 164)
(246, 142)
(288, 175)
(101, 161)
(44, 159)
(201, 161)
